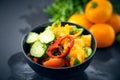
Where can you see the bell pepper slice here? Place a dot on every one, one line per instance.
(56, 44)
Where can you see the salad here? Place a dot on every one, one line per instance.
(59, 46)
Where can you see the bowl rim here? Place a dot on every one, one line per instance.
(49, 23)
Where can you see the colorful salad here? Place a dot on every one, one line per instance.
(59, 46)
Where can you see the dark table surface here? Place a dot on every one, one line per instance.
(17, 17)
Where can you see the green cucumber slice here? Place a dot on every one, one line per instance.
(38, 49)
(46, 36)
(32, 37)
(88, 51)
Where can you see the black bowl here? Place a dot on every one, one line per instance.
(57, 73)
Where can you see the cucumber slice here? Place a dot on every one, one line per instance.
(47, 36)
(88, 51)
(38, 49)
(32, 37)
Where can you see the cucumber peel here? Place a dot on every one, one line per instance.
(88, 51)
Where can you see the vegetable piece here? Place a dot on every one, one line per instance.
(56, 24)
(56, 44)
(76, 62)
(66, 62)
(38, 49)
(54, 62)
(59, 30)
(47, 36)
(56, 27)
(81, 55)
(76, 30)
(35, 59)
(87, 39)
(32, 37)
(88, 51)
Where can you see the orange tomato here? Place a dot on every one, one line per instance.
(114, 21)
(54, 62)
(98, 11)
(80, 19)
(104, 34)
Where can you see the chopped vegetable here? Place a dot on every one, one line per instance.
(59, 30)
(38, 49)
(87, 39)
(32, 37)
(54, 62)
(76, 62)
(76, 30)
(88, 51)
(56, 45)
(35, 59)
(47, 36)
(81, 55)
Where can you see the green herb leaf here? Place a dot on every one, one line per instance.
(75, 30)
(62, 9)
(76, 62)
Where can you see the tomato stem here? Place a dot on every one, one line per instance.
(94, 5)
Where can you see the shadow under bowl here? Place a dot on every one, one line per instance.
(57, 73)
